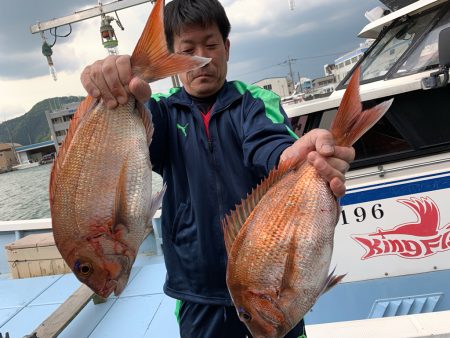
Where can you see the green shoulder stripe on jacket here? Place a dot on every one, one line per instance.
(270, 99)
(158, 96)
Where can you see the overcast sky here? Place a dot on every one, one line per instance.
(264, 34)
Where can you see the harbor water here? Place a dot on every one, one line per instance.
(24, 193)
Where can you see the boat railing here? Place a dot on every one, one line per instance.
(21, 226)
(14, 230)
(383, 171)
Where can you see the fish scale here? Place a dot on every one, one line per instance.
(279, 240)
(101, 200)
(76, 188)
(310, 199)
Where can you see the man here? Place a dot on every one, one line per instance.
(214, 140)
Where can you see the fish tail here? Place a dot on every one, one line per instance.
(151, 60)
(351, 122)
(331, 281)
(155, 204)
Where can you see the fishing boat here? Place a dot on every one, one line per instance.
(393, 237)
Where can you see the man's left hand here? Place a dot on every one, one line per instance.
(319, 149)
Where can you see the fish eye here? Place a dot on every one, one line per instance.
(85, 269)
(245, 315)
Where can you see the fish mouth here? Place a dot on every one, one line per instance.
(277, 326)
(108, 288)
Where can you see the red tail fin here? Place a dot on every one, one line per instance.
(351, 122)
(151, 59)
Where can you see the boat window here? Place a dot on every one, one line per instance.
(381, 140)
(304, 123)
(415, 125)
(426, 55)
(393, 45)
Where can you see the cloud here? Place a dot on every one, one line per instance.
(248, 14)
(21, 54)
(264, 34)
(24, 74)
(43, 87)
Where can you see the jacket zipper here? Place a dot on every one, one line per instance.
(210, 148)
(218, 188)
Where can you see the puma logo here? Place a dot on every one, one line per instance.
(183, 128)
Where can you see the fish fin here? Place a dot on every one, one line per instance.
(120, 202)
(331, 281)
(151, 60)
(351, 122)
(125, 263)
(288, 271)
(83, 108)
(233, 222)
(155, 204)
(146, 119)
(121, 284)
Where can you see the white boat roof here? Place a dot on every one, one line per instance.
(373, 29)
(369, 91)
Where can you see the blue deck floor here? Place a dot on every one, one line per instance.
(142, 310)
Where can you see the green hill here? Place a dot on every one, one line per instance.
(32, 127)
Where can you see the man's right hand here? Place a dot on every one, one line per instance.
(111, 79)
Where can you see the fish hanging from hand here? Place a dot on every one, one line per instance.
(100, 187)
(280, 239)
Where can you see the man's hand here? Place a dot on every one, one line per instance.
(111, 79)
(330, 161)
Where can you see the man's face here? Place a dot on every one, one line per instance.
(206, 42)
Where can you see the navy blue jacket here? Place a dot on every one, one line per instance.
(208, 176)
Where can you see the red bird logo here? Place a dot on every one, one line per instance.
(427, 222)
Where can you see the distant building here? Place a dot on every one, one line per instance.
(345, 63)
(59, 120)
(323, 86)
(305, 84)
(324, 81)
(329, 69)
(7, 156)
(35, 152)
(279, 85)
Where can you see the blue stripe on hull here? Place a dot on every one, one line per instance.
(396, 190)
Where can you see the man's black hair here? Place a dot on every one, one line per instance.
(180, 13)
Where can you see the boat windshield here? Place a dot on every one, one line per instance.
(426, 55)
(393, 45)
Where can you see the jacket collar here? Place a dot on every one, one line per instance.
(226, 96)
